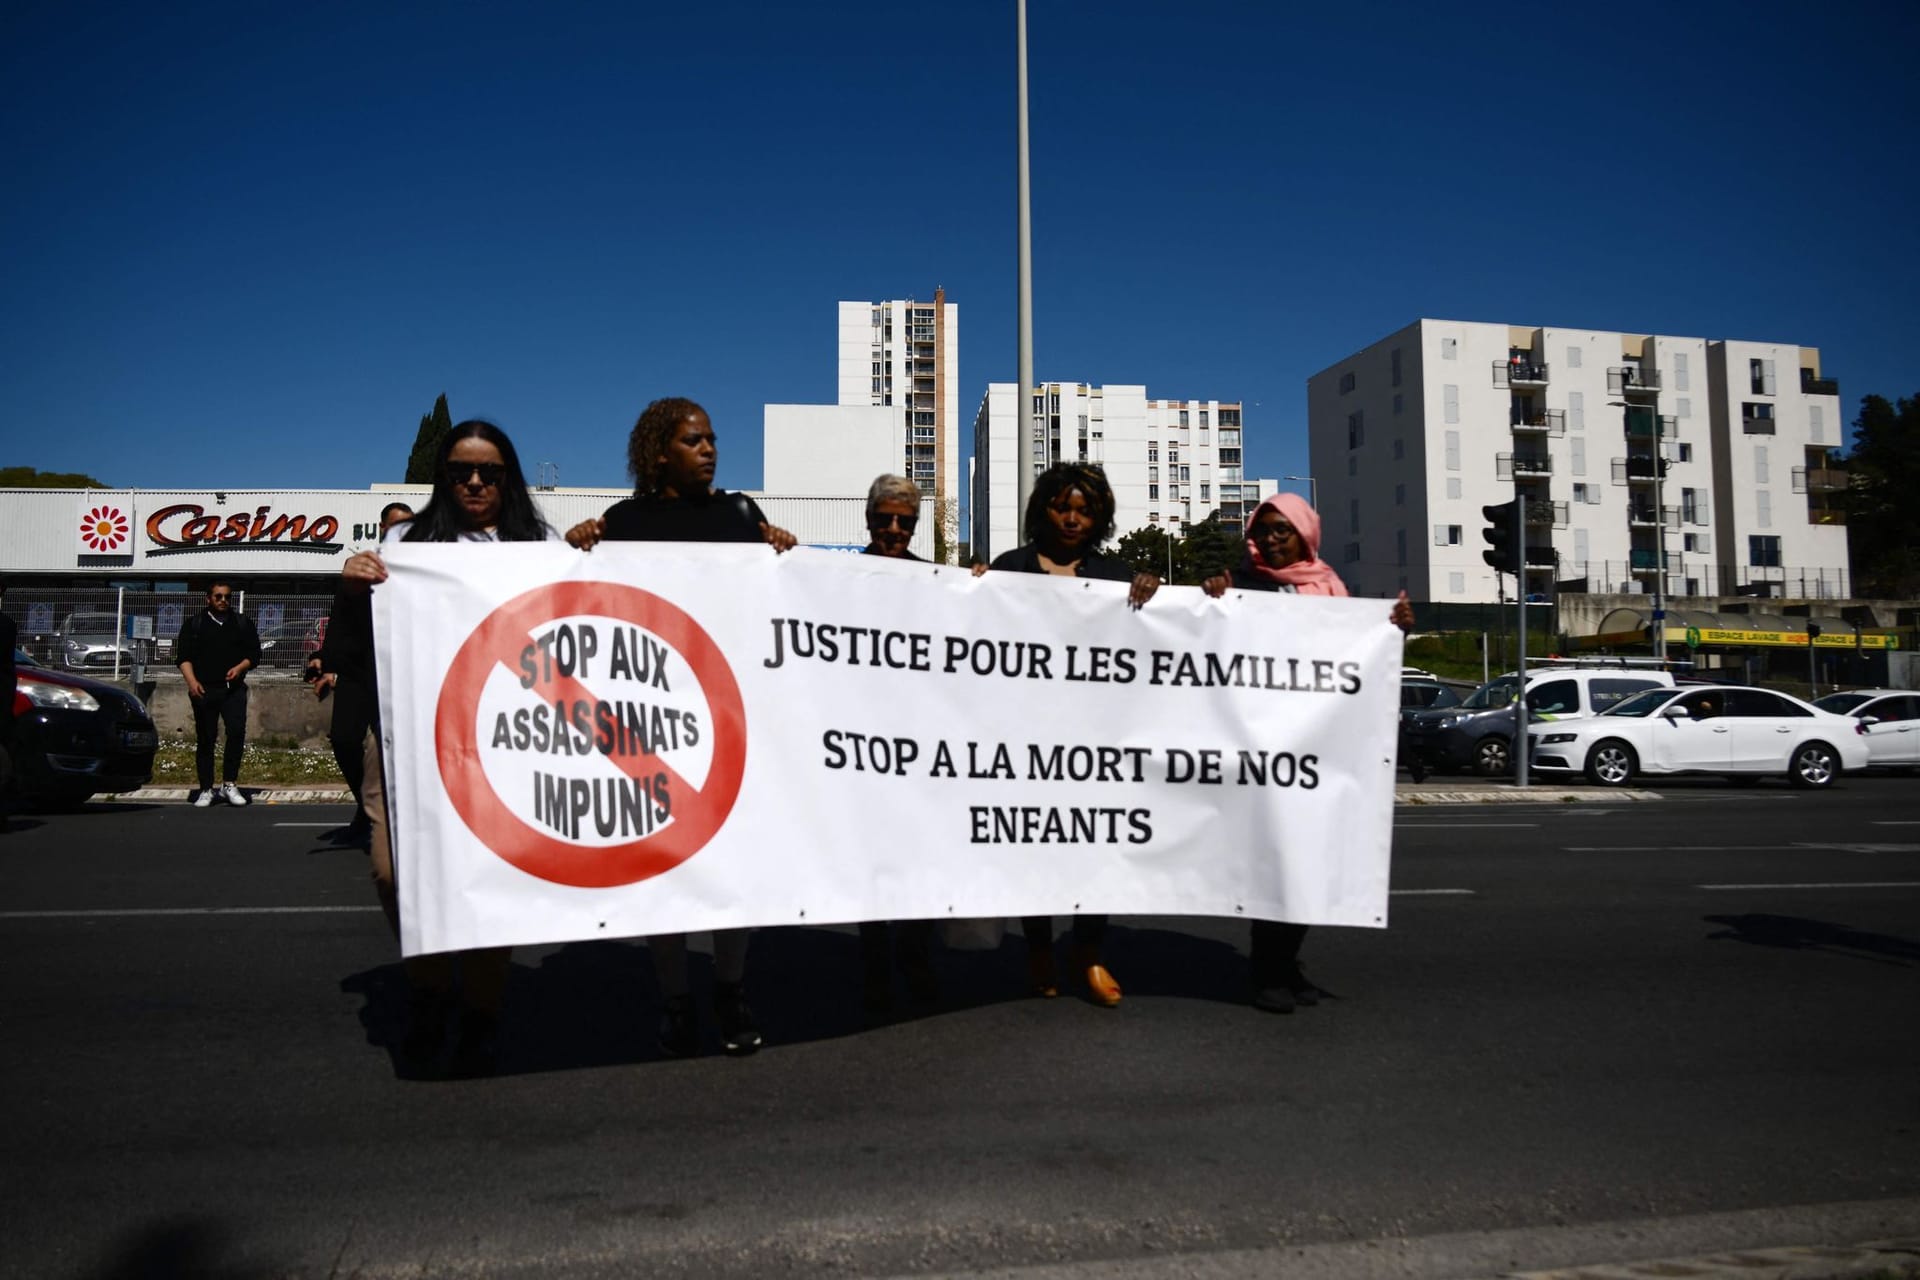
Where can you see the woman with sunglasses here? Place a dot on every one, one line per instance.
(893, 514)
(672, 452)
(1070, 514)
(1283, 554)
(479, 495)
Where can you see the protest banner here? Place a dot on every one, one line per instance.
(657, 738)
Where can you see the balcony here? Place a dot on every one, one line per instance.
(1813, 386)
(1638, 559)
(1638, 467)
(1756, 426)
(1546, 514)
(1518, 373)
(1552, 422)
(1640, 516)
(1819, 479)
(1826, 515)
(1640, 425)
(1510, 465)
(1629, 380)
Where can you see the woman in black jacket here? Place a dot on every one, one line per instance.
(1069, 515)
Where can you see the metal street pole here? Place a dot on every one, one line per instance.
(1023, 434)
(1520, 583)
(1313, 490)
(1659, 540)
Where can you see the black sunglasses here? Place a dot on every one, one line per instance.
(880, 520)
(490, 473)
(1262, 532)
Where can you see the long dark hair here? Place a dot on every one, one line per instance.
(1090, 478)
(441, 519)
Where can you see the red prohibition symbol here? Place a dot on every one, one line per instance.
(698, 813)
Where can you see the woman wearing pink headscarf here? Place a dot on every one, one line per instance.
(1283, 554)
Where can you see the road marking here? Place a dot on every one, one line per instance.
(1452, 826)
(1889, 822)
(1831, 884)
(1430, 893)
(1679, 848)
(184, 911)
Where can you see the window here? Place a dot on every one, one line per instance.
(1446, 535)
(1756, 419)
(1396, 370)
(1186, 473)
(1816, 424)
(1690, 505)
(1453, 487)
(1399, 450)
(1153, 451)
(1604, 693)
(1576, 410)
(1400, 495)
(1399, 402)
(1760, 468)
(1554, 698)
(1173, 493)
(1763, 508)
(1203, 418)
(1353, 515)
(1453, 450)
(1580, 545)
(1153, 492)
(1580, 493)
(1577, 451)
(1153, 517)
(1694, 542)
(1449, 348)
(1153, 475)
(1573, 357)
(1763, 550)
(1346, 383)
(1680, 373)
(1203, 435)
(1763, 703)
(1683, 453)
(1450, 399)
(1760, 377)
(1356, 429)
(1204, 493)
(1457, 584)
(1183, 417)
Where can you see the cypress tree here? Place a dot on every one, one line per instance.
(435, 427)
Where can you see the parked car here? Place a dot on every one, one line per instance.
(87, 641)
(1478, 734)
(74, 737)
(289, 644)
(1725, 729)
(1891, 719)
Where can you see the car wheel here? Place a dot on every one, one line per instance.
(1492, 757)
(1611, 763)
(1814, 764)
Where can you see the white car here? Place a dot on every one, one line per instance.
(1891, 720)
(1726, 729)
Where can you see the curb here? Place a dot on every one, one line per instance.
(1794, 1262)
(255, 795)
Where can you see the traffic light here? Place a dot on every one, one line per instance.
(1504, 554)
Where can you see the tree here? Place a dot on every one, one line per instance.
(1210, 547)
(435, 427)
(1214, 546)
(1146, 550)
(28, 478)
(1883, 524)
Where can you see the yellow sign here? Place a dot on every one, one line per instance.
(1695, 637)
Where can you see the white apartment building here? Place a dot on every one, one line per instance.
(1171, 462)
(906, 355)
(1618, 441)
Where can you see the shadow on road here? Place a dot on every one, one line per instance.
(1795, 934)
(595, 1004)
(177, 1249)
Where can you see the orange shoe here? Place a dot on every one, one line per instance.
(1101, 988)
(1041, 978)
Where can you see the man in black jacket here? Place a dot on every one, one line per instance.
(216, 649)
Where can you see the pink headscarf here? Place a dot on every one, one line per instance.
(1309, 577)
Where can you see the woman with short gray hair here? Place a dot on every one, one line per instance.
(893, 513)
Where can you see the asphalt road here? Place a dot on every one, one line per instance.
(1627, 1016)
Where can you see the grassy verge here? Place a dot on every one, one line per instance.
(264, 764)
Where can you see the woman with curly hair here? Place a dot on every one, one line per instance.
(1070, 514)
(671, 454)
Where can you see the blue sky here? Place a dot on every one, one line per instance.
(247, 245)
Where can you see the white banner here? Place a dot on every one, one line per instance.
(659, 738)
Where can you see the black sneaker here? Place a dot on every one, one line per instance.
(679, 1029)
(738, 1033)
(1304, 993)
(1273, 999)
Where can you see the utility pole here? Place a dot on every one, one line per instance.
(1023, 433)
(1520, 694)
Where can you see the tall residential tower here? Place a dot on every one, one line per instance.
(906, 355)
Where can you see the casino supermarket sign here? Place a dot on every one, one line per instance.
(187, 527)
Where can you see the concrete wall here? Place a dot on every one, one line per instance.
(277, 707)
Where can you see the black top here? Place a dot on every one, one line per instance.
(1092, 565)
(215, 647)
(1246, 579)
(716, 516)
(904, 555)
(348, 649)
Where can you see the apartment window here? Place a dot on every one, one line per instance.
(1452, 440)
(1399, 450)
(1356, 429)
(1690, 505)
(1816, 424)
(1396, 372)
(1353, 515)
(1205, 496)
(1449, 348)
(1763, 550)
(1203, 417)
(1683, 453)
(1457, 584)
(1760, 377)
(1446, 535)
(1400, 495)
(1153, 491)
(1577, 455)
(1453, 488)
(1580, 492)
(1681, 381)
(1153, 475)
(1580, 545)
(1573, 357)
(1173, 493)
(1153, 451)
(1400, 546)
(1763, 508)
(1695, 542)
(1577, 410)
(1203, 435)
(1153, 517)
(876, 386)
(1173, 454)
(1399, 402)
(1206, 473)
(1756, 418)
(1683, 408)
(1183, 417)
(1450, 401)
(1760, 468)
(1346, 383)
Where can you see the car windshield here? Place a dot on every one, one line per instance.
(1841, 703)
(1641, 704)
(1491, 695)
(21, 658)
(90, 624)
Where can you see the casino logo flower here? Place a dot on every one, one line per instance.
(104, 529)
